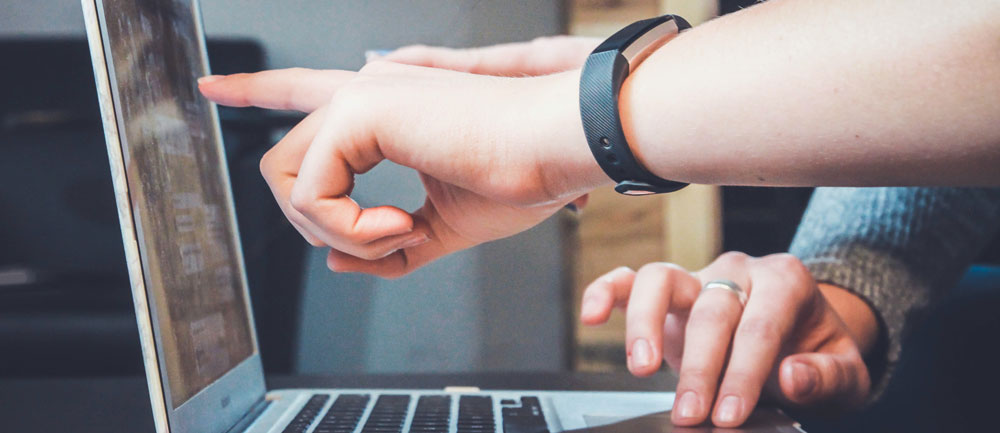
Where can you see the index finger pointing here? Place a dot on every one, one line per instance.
(296, 89)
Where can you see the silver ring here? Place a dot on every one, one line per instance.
(729, 286)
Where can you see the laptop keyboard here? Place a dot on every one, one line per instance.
(432, 414)
(388, 415)
(305, 417)
(475, 414)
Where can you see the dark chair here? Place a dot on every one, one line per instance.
(65, 302)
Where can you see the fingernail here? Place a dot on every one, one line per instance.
(419, 239)
(804, 378)
(373, 55)
(729, 409)
(209, 78)
(688, 406)
(640, 354)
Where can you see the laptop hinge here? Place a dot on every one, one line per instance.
(255, 411)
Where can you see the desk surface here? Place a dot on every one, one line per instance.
(111, 405)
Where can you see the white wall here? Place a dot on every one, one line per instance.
(499, 307)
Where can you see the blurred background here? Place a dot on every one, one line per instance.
(65, 302)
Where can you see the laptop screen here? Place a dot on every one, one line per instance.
(180, 194)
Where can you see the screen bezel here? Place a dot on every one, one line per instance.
(224, 402)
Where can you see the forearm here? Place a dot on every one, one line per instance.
(808, 92)
(898, 249)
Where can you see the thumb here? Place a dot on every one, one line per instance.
(839, 379)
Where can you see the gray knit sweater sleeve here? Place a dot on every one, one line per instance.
(898, 248)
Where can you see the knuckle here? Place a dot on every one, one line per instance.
(732, 258)
(661, 270)
(619, 270)
(253, 79)
(650, 268)
(786, 264)
(267, 164)
(797, 284)
(302, 201)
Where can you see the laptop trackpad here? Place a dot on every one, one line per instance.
(762, 420)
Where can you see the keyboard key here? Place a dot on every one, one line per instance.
(344, 415)
(528, 418)
(388, 415)
(307, 414)
(432, 414)
(475, 414)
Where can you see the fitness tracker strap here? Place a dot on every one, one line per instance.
(600, 83)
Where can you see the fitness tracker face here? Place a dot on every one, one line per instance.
(600, 83)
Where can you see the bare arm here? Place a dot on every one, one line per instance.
(809, 92)
(789, 92)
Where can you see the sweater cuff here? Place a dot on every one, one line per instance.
(876, 279)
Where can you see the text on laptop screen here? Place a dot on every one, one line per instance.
(179, 193)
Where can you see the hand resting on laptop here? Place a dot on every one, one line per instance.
(795, 341)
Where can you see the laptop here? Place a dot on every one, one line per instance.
(199, 347)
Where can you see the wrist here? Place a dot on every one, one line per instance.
(856, 314)
(566, 162)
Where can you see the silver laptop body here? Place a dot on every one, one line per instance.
(189, 287)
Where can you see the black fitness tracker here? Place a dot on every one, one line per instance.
(601, 80)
